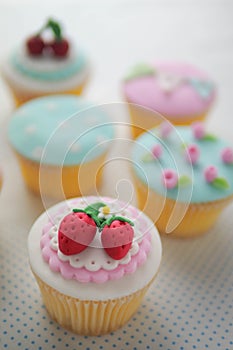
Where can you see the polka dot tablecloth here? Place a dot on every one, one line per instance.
(189, 305)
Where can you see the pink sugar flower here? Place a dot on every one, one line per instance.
(210, 173)
(165, 129)
(170, 178)
(227, 155)
(198, 130)
(192, 153)
(157, 151)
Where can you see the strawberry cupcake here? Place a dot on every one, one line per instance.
(61, 143)
(94, 259)
(43, 66)
(179, 92)
(183, 177)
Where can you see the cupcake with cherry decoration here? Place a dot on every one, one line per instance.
(180, 92)
(183, 177)
(94, 259)
(46, 63)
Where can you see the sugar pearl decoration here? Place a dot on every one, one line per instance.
(198, 130)
(227, 155)
(170, 178)
(210, 173)
(165, 129)
(157, 151)
(192, 153)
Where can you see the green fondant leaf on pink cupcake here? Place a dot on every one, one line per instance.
(140, 70)
(184, 180)
(221, 183)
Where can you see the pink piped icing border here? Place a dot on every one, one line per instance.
(82, 274)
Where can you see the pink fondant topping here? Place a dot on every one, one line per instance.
(227, 155)
(190, 91)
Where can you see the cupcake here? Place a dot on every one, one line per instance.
(179, 92)
(94, 259)
(183, 177)
(61, 143)
(41, 67)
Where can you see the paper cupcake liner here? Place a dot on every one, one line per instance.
(197, 220)
(59, 182)
(143, 119)
(88, 317)
(21, 97)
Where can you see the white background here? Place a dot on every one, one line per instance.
(117, 34)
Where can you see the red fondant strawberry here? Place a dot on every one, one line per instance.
(60, 47)
(117, 238)
(35, 45)
(76, 232)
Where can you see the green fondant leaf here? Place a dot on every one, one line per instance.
(78, 211)
(93, 211)
(184, 180)
(209, 137)
(184, 145)
(146, 158)
(55, 28)
(140, 70)
(95, 206)
(113, 218)
(221, 183)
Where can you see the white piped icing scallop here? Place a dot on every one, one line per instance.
(85, 259)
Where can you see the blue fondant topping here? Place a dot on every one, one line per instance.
(57, 73)
(61, 129)
(150, 173)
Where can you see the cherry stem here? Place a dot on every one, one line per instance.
(54, 26)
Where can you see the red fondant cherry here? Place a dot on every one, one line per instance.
(35, 45)
(60, 47)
